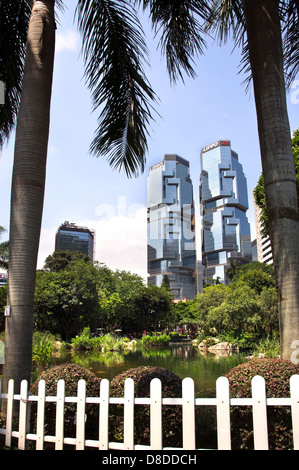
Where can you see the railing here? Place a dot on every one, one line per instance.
(188, 402)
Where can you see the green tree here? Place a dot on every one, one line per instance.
(62, 259)
(233, 269)
(66, 301)
(154, 309)
(185, 313)
(247, 305)
(113, 52)
(165, 282)
(256, 276)
(212, 297)
(117, 291)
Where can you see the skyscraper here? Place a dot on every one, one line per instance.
(264, 248)
(71, 237)
(224, 202)
(170, 226)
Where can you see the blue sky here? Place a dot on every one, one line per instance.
(85, 190)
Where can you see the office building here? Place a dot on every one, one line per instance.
(264, 248)
(224, 202)
(170, 227)
(71, 237)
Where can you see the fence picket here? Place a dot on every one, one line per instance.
(60, 415)
(156, 414)
(129, 414)
(294, 386)
(223, 414)
(104, 415)
(40, 427)
(9, 412)
(23, 418)
(188, 396)
(259, 404)
(259, 411)
(80, 424)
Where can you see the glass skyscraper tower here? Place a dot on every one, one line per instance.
(170, 226)
(224, 202)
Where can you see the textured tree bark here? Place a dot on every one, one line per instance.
(266, 59)
(27, 194)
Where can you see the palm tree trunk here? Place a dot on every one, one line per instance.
(266, 59)
(27, 194)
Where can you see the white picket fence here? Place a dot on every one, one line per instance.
(188, 402)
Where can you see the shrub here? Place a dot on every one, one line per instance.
(71, 374)
(155, 340)
(171, 415)
(277, 373)
(205, 417)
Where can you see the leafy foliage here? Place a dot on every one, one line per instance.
(277, 373)
(76, 294)
(14, 19)
(71, 374)
(113, 52)
(66, 301)
(171, 415)
(155, 340)
(63, 259)
(247, 306)
(181, 32)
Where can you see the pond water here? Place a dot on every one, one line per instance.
(183, 360)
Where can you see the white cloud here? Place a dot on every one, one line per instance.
(67, 41)
(121, 241)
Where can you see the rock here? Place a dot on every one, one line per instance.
(223, 346)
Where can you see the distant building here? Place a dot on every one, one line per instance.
(170, 227)
(71, 237)
(224, 203)
(3, 279)
(264, 248)
(254, 250)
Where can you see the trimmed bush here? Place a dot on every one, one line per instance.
(171, 415)
(155, 340)
(277, 374)
(71, 374)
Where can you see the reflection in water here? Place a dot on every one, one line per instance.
(185, 361)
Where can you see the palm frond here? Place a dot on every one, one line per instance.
(291, 40)
(114, 52)
(181, 33)
(227, 21)
(14, 20)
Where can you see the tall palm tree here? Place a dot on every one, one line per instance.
(268, 32)
(113, 50)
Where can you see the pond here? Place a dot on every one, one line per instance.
(183, 360)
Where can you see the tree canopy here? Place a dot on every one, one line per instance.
(73, 293)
